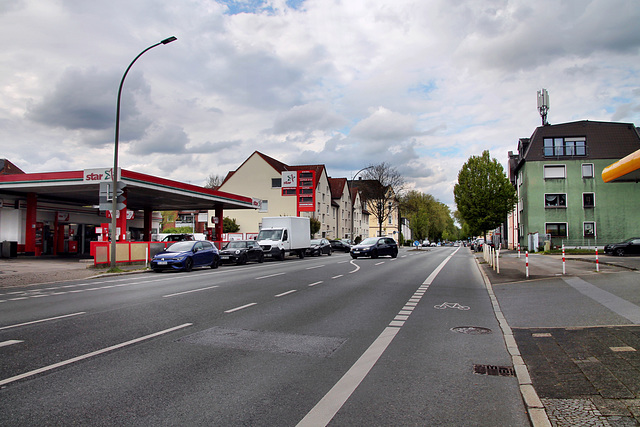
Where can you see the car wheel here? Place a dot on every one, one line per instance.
(215, 263)
(354, 256)
(394, 254)
(329, 253)
(374, 254)
(188, 264)
(620, 252)
(242, 259)
(260, 258)
(281, 256)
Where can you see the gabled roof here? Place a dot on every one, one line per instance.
(337, 186)
(280, 167)
(604, 140)
(8, 168)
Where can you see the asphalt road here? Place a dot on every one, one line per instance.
(319, 341)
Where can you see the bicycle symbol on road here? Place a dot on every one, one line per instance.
(446, 305)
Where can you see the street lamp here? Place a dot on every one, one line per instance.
(114, 173)
(353, 208)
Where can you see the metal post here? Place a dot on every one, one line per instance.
(114, 172)
(564, 263)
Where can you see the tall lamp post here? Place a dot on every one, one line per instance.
(353, 208)
(114, 173)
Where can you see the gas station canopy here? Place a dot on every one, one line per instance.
(143, 192)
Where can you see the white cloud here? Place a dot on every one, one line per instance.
(422, 85)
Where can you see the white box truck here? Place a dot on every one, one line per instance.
(282, 235)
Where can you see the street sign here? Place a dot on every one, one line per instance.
(106, 197)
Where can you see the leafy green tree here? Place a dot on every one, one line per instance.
(229, 225)
(315, 225)
(427, 216)
(484, 196)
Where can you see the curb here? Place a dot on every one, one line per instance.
(535, 407)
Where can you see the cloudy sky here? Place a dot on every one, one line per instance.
(420, 84)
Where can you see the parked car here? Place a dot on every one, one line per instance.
(477, 245)
(340, 245)
(319, 247)
(186, 255)
(629, 246)
(178, 238)
(242, 251)
(375, 247)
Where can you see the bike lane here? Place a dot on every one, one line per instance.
(423, 372)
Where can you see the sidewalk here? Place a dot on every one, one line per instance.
(24, 271)
(584, 375)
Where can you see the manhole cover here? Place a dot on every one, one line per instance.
(472, 330)
(501, 371)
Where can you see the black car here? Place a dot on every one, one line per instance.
(375, 247)
(339, 245)
(319, 247)
(242, 251)
(629, 246)
(186, 255)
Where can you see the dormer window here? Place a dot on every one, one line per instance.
(568, 146)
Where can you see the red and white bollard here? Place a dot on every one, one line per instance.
(597, 263)
(564, 263)
(526, 256)
(518, 250)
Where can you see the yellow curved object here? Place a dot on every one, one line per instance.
(622, 167)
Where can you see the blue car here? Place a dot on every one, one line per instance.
(186, 255)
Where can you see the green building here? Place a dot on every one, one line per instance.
(561, 195)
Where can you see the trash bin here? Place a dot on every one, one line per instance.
(9, 249)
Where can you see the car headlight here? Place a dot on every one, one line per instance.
(180, 258)
(237, 251)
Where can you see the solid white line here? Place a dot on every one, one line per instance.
(271, 275)
(338, 276)
(315, 283)
(241, 307)
(10, 342)
(378, 263)
(316, 266)
(188, 292)
(435, 272)
(42, 320)
(89, 355)
(326, 409)
(285, 293)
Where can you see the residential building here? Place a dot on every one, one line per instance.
(561, 195)
(283, 190)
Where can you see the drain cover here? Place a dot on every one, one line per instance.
(499, 371)
(472, 330)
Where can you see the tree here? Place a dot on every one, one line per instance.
(427, 216)
(214, 181)
(484, 196)
(382, 184)
(315, 225)
(229, 225)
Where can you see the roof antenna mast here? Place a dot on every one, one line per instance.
(543, 105)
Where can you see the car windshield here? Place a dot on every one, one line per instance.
(369, 241)
(270, 235)
(180, 247)
(236, 245)
(315, 241)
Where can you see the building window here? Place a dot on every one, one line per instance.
(288, 191)
(264, 206)
(555, 200)
(587, 170)
(554, 147)
(588, 200)
(557, 229)
(555, 172)
(589, 229)
(276, 182)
